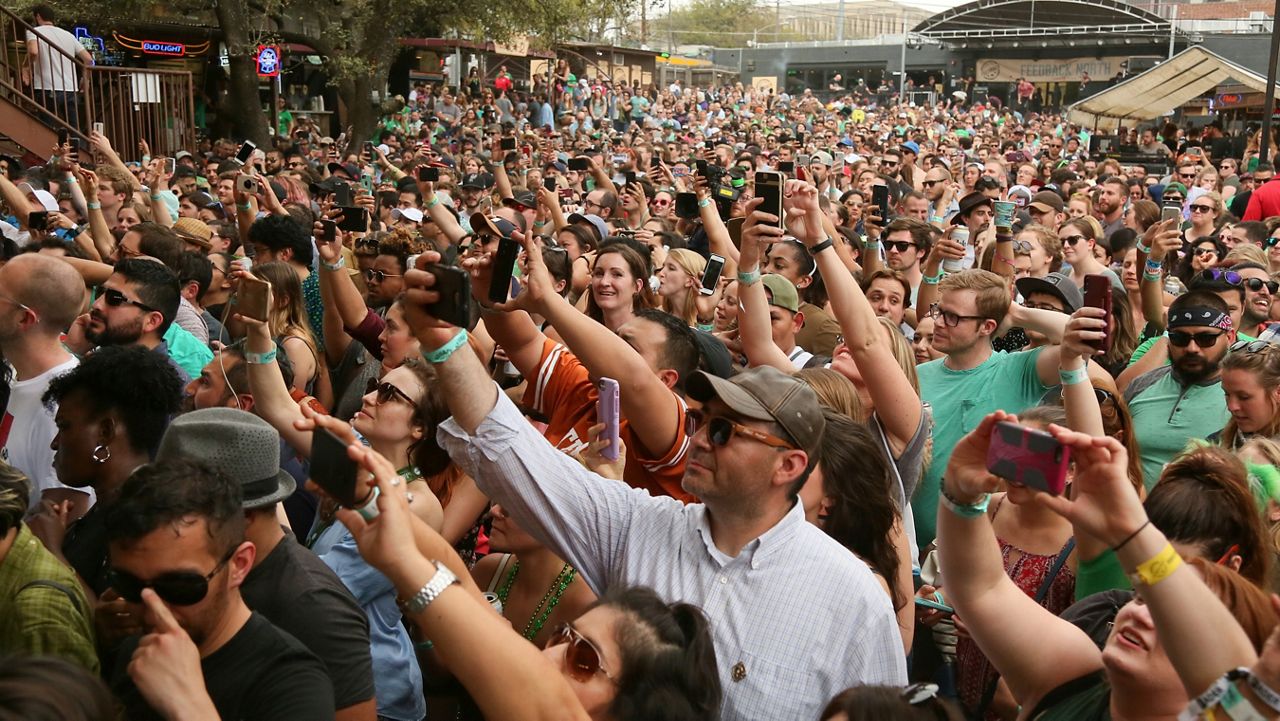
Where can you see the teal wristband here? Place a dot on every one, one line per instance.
(871, 243)
(435, 200)
(1153, 277)
(704, 202)
(933, 279)
(244, 206)
(258, 359)
(936, 219)
(750, 277)
(964, 510)
(1074, 376)
(1153, 266)
(441, 354)
(95, 206)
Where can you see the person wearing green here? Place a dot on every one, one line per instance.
(1181, 401)
(45, 610)
(972, 379)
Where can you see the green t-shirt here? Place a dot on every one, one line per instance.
(1167, 414)
(960, 400)
(186, 350)
(283, 119)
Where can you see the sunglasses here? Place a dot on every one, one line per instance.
(1022, 247)
(1073, 239)
(1257, 284)
(380, 276)
(930, 183)
(179, 588)
(1271, 242)
(1172, 200)
(1250, 346)
(1206, 251)
(1188, 175)
(721, 430)
(1102, 394)
(115, 299)
(1182, 339)
(1230, 276)
(386, 392)
(1201, 208)
(899, 245)
(581, 658)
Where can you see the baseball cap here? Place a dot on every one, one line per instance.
(765, 393)
(595, 221)
(821, 156)
(47, 201)
(477, 181)
(781, 292)
(500, 227)
(911, 146)
(349, 169)
(523, 198)
(1047, 201)
(1057, 285)
(411, 214)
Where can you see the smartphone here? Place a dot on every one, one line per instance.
(38, 219)
(880, 197)
(607, 413)
(99, 128)
(802, 161)
(709, 144)
(454, 286)
(711, 276)
(251, 297)
(366, 182)
(64, 137)
(526, 151)
(1029, 457)
(927, 603)
(504, 264)
(355, 219)
(334, 471)
(368, 148)
(769, 188)
(579, 164)
(170, 165)
(799, 139)
(655, 162)
(246, 184)
(428, 174)
(549, 184)
(629, 177)
(342, 194)
(1171, 212)
(245, 152)
(507, 144)
(687, 206)
(786, 167)
(1097, 294)
(328, 230)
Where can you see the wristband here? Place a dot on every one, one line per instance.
(441, 354)
(69, 180)
(1131, 536)
(750, 277)
(435, 200)
(1265, 693)
(244, 206)
(1157, 568)
(259, 359)
(1153, 277)
(1073, 376)
(704, 202)
(961, 509)
(369, 510)
(1144, 249)
(155, 196)
(1153, 266)
(94, 206)
(342, 263)
(936, 219)
(933, 279)
(828, 243)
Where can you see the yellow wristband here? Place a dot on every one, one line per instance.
(1157, 568)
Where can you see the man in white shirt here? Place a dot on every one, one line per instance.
(49, 68)
(39, 297)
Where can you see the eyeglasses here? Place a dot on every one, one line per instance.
(386, 392)
(178, 588)
(581, 658)
(380, 276)
(23, 306)
(1250, 346)
(1230, 276)
(1206, 251)
(1182, 339)
(1201, 208)
(115, 298)
(899, 245)
(1257, 284)
(1073, 239)
(720, 430)
(659, 201)
(949, 319)
(1044, 306)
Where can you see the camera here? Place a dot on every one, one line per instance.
(725, 184)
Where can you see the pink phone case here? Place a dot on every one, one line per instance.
(607, 413)
(1029, 457)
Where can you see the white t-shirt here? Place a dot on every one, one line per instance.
(53, 70)
(27, 430)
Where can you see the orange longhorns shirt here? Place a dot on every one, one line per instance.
(562, 391)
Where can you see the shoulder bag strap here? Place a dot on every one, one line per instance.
(499, 573)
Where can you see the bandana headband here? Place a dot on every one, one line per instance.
(1199, 316)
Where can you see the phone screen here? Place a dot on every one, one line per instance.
(333, 470)
(711, 276)
(579, 164)
(342, 195)
(504, 263)
(508, 144)
(246, 152)
(549, 184)
(769, 187)
(880, 197)
(38, 219)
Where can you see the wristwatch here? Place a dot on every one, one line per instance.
(430, 590)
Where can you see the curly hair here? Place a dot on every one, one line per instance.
(401, 243)
(138, 384)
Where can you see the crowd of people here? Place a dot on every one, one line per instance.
(621, 403)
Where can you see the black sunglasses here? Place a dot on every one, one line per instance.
(1073, 239)
(115, 299)
(386, 392)
(379, 275)
(1182, 339)
(899, 245)
(1257, 284)
(179, 588)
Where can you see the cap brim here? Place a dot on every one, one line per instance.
(1043, 207)
(286, 488)
(704, 387)
(481, 221)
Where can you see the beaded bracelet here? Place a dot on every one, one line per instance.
(1070, 377)
(441, 354)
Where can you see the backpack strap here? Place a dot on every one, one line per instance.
(75, 600)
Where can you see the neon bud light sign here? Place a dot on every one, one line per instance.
(156, 47)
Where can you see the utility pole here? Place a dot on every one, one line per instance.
(1173, 29)
(1268, 108)
(902, 66)
(840, 23)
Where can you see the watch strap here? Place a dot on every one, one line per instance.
(430, 590)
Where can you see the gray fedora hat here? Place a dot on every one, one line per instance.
(235, 442)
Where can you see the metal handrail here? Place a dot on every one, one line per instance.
(133, 104)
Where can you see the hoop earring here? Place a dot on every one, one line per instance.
(101, 454)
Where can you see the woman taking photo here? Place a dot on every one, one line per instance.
(630, 657)
(288, 323)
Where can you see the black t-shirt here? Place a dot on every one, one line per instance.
(261, 673)
(302, 596)
(85, 547)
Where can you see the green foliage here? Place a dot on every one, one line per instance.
(721, 23)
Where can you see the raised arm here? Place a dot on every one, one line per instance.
(1163, 238)
(718, 239)
(443, 217)
(103, 146)
(271, 399)
(15, 199)
(103, 241)
(755, 330)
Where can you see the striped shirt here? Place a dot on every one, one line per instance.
(796, 617)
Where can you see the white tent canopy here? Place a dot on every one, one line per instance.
(1162, 89)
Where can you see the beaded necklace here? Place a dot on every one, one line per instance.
(549, 599)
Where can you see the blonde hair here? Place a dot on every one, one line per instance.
(291, 319)
(1265, 366)
(834, 391)
(1083, 198)
(685, 306)
(1215, 198)
(992, 291)
(902, 352)
(1049, 241)
(1246, 253)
